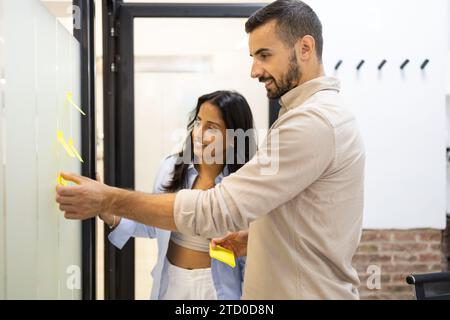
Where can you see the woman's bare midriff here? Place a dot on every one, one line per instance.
(187, 258)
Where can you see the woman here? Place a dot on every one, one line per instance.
(184, 269)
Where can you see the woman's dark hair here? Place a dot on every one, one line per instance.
(236, 114)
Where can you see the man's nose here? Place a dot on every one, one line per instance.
(257, 71)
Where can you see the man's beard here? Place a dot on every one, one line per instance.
(288, 82)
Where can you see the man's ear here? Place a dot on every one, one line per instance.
(305, 48)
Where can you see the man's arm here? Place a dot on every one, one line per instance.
(88, 198)
(150, 209)
(297, 152)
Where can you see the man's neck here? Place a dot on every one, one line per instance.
(313, 73)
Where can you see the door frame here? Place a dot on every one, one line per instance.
(85, 36)
(118, 72)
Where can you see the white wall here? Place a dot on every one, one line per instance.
(448, 102)
(401, 114)
(448, 50)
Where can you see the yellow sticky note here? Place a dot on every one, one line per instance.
(60, 137)
(69, 97)
(222, 254)
(62, 182)
(74, 150)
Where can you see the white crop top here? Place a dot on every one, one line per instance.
(190, 242)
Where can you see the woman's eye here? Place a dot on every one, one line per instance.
(213, 129)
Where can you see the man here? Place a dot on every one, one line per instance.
(304, 220)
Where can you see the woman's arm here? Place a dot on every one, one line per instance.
(110, 219)
(127, 229)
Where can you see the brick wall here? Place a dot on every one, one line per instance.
(385, 257)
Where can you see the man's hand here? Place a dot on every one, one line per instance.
(84, 200)
(235, 241)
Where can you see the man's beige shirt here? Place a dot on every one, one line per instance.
(301, 197)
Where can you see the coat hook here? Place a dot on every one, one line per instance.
(404, 64)
(360, 65)
(424, 64)
(381, 65)
(338, 64)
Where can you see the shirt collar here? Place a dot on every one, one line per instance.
(192, 172)
(297, 96)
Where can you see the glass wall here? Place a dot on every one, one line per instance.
(2, 159)
(40, 251)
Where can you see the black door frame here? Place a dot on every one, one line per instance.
(118, 76)
(85, 36)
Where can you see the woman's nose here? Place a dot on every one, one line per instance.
(198, 132)
(208, 137)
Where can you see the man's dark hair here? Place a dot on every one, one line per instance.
(295, 19)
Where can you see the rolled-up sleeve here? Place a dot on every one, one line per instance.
(127, 229)
(297, 151)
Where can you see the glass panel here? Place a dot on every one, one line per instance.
(183, 60)
(2, 183)
(41, 65)
(20, 170)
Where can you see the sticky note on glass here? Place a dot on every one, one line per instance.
(60, 137)
(61, 181)
(69, 98)
(222, 254)
(74, 150)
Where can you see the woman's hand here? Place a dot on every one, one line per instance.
(108, 218)
(111, 220)
(234, 241)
